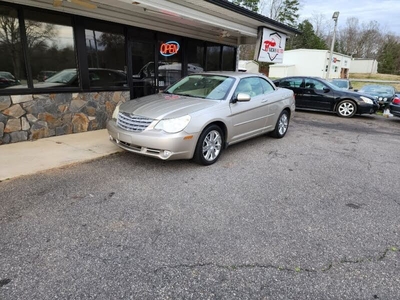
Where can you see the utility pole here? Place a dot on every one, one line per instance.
(335, 18)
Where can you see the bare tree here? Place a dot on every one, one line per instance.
(321, 25)
(38, 35)
(360, 40)
(10, 41)
(271, 8)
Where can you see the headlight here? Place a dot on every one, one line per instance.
(367, 100)
(116, 112)
(173, 125)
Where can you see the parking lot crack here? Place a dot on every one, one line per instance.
(236, 267)
(297, 269)
(360, 260)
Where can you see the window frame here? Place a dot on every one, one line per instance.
(78, 24)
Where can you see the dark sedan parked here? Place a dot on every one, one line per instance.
(384, 94)
(318, 94)
(394, 107)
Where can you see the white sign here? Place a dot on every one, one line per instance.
(271, 46)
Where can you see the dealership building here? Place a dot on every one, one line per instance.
(66, 64)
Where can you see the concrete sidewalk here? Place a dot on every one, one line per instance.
(30, 157)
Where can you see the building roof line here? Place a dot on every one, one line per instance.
(256, 16)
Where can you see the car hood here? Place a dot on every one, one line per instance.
(165, 106)
(38, 85)
(355, 94)
(387, 95)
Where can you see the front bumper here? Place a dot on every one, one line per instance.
(395, 110)
(365, 108)
(154, 143)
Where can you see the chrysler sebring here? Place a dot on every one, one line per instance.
(201, 115)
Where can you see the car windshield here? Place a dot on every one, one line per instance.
(341, 83)
(377, 89)
(330, 85)
(6, 75)
(213, 87)
(63, 76)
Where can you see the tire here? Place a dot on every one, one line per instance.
(281, 126)
(346, 109)
(209, 146)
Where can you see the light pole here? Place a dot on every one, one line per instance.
(335, 18)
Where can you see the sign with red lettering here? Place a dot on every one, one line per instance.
(271, 45)
(169, 48)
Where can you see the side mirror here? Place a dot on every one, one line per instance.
(276, 84)
(241, 97)
(350, 87)
(326, 90)
(356, 90)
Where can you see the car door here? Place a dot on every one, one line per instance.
(273, 100)
(317, 95)
(249, 118)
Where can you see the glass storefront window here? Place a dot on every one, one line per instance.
(213, 58)
(169, 61)
(51, 49)
(195, 53)
(106, 58)
(228, 58)
(143, 69)
(12, 66)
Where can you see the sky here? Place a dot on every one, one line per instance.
(385, 12)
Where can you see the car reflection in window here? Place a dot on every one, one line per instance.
(7, 79)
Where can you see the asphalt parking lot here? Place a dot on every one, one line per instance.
(314, 215)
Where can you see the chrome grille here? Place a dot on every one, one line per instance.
(132, 122)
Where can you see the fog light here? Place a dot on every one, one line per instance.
(167, 153)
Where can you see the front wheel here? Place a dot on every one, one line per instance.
(281, 126)
(346, 109)
(209, 146)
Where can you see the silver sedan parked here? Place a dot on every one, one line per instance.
(202, 114)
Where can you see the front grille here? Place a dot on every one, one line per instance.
(132, 122)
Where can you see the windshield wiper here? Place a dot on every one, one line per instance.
(188, 95)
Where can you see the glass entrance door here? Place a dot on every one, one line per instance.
(169, 61)
(143, 69)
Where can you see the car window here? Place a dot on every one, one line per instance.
(65, 76)
(291, 82)
(256, 86)
(244, 87)
(341, 83)
(313, 84)
(106, 78)
(266, 86)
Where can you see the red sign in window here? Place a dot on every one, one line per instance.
(169, 48)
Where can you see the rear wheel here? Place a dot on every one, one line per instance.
(209, 146)
(281, 126)
(346, 109)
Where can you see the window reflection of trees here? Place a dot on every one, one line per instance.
(10, 43)
(105, 50)
(50, 46)
(50, 43)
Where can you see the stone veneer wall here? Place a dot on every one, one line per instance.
(31, 117)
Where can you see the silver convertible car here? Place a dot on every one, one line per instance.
(202, 114)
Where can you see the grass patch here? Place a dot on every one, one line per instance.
(375, 76)
(358, 84)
